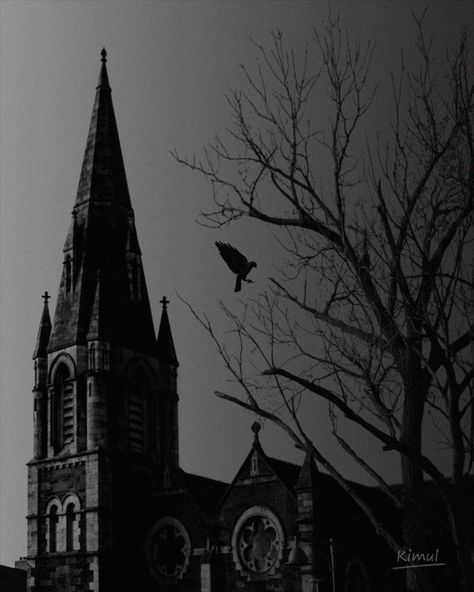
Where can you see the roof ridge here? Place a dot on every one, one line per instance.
(286, 462)
(188, 474)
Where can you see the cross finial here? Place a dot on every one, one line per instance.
(164, 301)
(103, 53)
(46, 297)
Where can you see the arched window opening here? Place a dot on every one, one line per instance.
(62, 412)
(53, 529)
(254, 465)
(137, 410)
(71, 527)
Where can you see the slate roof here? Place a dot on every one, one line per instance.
(205, 491)
(288, 473)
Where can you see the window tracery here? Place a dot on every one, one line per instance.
(257, 542)
(169, 549)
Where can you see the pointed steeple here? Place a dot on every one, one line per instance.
(103, 173)
(308, 474)
(44, 330)
(165, 345)
(103, 76)
(102, 236)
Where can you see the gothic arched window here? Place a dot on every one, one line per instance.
(62, 408)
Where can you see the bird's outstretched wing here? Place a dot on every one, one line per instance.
(234, 258)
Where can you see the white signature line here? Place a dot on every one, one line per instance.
(419, 565)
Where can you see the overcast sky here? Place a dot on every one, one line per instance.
(170, 65)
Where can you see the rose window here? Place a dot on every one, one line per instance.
(169, 549)
(258, 541)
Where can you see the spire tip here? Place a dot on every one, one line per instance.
(256, 427)
(103, 54)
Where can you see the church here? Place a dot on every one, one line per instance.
(109, 508)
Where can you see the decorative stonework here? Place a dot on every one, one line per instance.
(257, 542)
(168, 549)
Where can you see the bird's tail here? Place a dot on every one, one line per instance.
(238, 284)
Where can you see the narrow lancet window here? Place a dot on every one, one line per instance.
(53, 529)
(70, 527)
(254, 465)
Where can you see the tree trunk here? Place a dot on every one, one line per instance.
(414, 525)
(459, 521)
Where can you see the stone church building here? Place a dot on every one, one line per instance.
(109, 508)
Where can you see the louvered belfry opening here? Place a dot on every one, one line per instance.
(62, 424)
(137, 409)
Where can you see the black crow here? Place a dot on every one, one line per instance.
(237, 262)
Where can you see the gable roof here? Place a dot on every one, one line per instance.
(285, 472)
(206, 492)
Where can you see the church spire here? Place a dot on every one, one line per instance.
(103, 172)
(44, 330)
(165, 345)
(102, 236)
(103, 77)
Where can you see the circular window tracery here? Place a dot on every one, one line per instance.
(258, 541)
(169, 549)
(258, 544)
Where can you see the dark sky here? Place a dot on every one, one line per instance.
(170, 66)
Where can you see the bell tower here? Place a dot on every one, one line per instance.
(105, 394)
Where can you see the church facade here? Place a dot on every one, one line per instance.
(109, 508)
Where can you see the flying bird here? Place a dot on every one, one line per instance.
(237, 262)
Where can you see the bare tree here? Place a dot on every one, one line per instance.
(373, 309)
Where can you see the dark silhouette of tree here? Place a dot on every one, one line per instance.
(372, 310)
